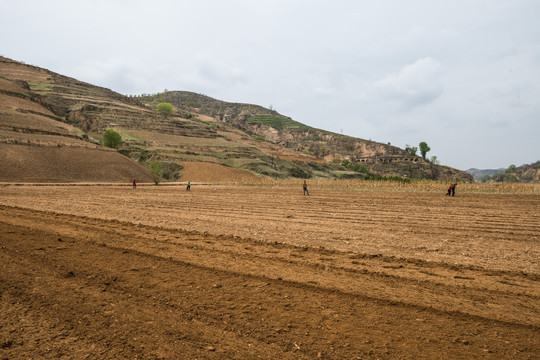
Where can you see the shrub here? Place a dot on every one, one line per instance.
(165, 109)
(299, 172)
(156, 169)
(356, 167)
(170, 170)
(112, 139)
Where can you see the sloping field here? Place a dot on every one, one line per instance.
(226, 272)
(48, 164)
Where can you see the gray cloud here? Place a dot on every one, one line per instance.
(415, 85)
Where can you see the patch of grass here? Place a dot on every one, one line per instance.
(277, 122)
(263, 169)
(40, 86)
(129, 136)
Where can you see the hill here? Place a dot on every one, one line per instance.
(39, 143)
(478, 174)
(51, 128)
(525, 173)
(314, 152)
(528, 172)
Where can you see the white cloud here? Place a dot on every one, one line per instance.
(416, 84)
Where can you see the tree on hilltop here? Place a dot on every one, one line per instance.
(424, 149)
(411, 150)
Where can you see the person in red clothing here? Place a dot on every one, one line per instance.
(134, 184)
(449, 190)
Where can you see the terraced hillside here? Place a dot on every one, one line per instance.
(320, 146)
(38, 144)
(40, 108)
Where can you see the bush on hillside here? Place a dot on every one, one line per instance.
(156, 169)
(356, 167)
(165, 109)
(297, 171)
(112, 139)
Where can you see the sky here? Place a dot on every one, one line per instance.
(461, 75)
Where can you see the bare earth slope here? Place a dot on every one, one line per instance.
(241, 273)
(67, 164)
(37, 145)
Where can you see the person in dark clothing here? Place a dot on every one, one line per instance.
(454, 189)
(305, 188)
(188, 187)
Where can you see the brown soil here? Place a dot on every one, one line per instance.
(16, 70)
(209, 172)
(243, 273)
(23, 163)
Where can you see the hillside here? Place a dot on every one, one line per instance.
(39, 143)
(528, 172)
(315, 152)
(525, 173)
(51, 128)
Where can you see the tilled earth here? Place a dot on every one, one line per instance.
(107, 272)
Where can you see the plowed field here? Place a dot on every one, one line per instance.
(224, 272)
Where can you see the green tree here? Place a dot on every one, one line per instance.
(434, 160)
(411, 150)
(112, 139)
(424, 149)
(165, 109)
(485, 178)
(156, 169)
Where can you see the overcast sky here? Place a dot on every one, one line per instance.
(462, 75)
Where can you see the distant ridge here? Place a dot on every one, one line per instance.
(523, 173)
(479, 173)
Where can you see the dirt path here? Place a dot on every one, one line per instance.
(76, 286)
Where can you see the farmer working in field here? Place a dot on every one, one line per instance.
(454, 189)
(305, 188)
(449, 190)
(134, 184)
(188, 187)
